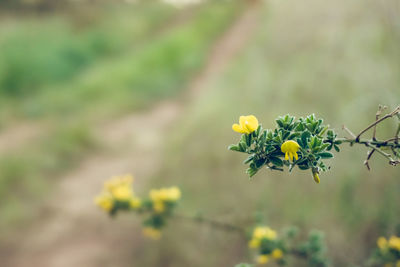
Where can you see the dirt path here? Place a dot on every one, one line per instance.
(72, 232)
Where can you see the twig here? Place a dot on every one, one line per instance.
(348, 131)
(369, 155)
(378, 113)
(212, 223)
(389, 115)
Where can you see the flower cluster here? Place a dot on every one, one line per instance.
(388, 252)
(304, 142)
(264, 239)
(118, 195)
(280, 249)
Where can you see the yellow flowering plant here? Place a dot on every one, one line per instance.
(306, 143)
(281, 248)
(387, 253)
(118, 195)
(292, 143)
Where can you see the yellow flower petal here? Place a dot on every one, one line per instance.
(237, 128)
(262, 259)
(251, 123)
(254, 243)
(247, 124)
(381, 242)
(394, 242)
(277, 254)
(290, 148)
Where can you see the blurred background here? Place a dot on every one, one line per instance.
(91, 89)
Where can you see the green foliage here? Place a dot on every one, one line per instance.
(314, 250)
(264, 146)
(36, 54)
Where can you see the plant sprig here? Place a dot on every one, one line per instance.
(309, 141)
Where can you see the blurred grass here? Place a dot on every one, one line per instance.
(75, 96)
(38, 52)
(338, 60)
(155, 69)
(27, 176)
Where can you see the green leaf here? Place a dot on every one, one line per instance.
(304, 137)
(325, 155)
(276, 161)
(242, 147)
(234, 148)
(337, 148)
(259, 162)
(250, 158)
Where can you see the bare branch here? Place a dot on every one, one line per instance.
(389, 115)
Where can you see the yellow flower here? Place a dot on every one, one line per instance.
(254, 243)
(122, 193)
(382, 243)
(174, 193)
(398, 263)
(135, 203)
(264, 232)
(171, 194)
(262, 259)
(117, 181)
(247, 124)
(158, 206)
(104, 201)
(394, 242)
(120, 187)
(151, 232)
(290, 149)
(277, 254)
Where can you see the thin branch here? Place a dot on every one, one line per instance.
(348, 131)
(386, 143)
(389, 115)
(378, 113)
(369, 155)
(212, 223)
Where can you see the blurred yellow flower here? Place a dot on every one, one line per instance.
(152, 233)
(264, 232)
(394, 243)
(247, 124)
(158, 206)
(382, 243)
(135, 203)
(290, 149)
(262, 259)
(398, 263)
(277, 254)
(104, 201)
(120, 187)
(171, 194)
(254, 243)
